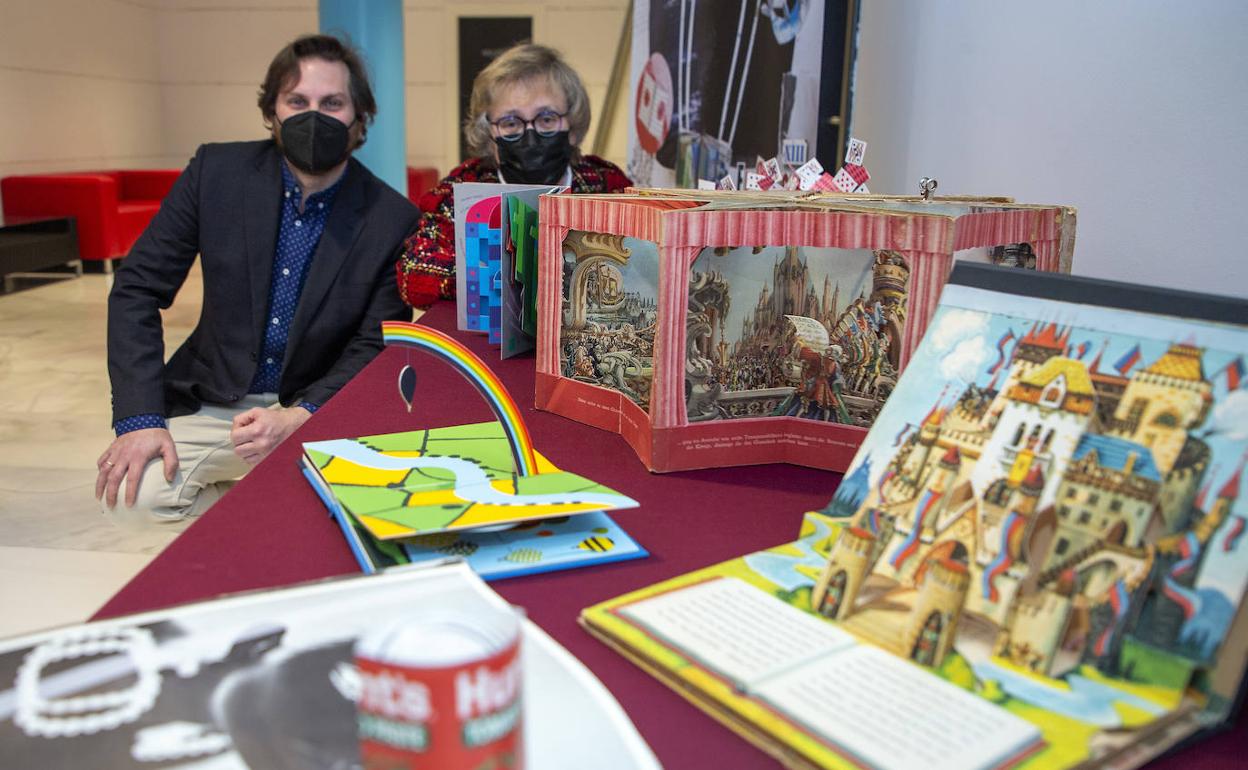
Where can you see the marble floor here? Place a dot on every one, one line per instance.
(60, 559)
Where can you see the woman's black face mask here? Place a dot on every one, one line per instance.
(533, 158)
(314, 142)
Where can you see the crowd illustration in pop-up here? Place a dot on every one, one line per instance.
(803, 354)
(609, 312)
(829, 355)
(1065, 513)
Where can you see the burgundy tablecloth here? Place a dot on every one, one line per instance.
(271, 529)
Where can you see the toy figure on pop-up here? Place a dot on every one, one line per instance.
(417, 495)
(1047, 517)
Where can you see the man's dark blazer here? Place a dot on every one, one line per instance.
(225, 207)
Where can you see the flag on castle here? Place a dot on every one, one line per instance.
(1129, 359)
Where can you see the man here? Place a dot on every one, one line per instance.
(297, 242)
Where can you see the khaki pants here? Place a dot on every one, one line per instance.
(207, 468)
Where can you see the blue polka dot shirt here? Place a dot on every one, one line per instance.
(297, 236)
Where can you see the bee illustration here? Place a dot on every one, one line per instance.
(596, 543)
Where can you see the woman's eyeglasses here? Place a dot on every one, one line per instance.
(510, 127)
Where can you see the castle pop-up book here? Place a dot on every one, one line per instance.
(1037, 558)
(714, 329)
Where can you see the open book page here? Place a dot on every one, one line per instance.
(805, 708)
(736, 630)
(887, 713)
(874, 709)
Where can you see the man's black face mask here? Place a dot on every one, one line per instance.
(533, 158)
(314, 142)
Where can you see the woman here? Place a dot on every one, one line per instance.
(526, 119)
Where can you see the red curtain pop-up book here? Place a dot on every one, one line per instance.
(718, 329)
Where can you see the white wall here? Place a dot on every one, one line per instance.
(1135, 112)
(78, 86)
(141, 83)
(213, 55)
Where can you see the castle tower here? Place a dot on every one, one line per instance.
(1163, 402)
(943, 478)
(1040, 344)
(1177, 501)
(1109, 387)
(933, 622)
(1032, 351)
(1221, 508)
(947, 468)
(790, 277)
(1108, 494)
(1043, 416)
(1176, 569)
(835, 593)
(915, 465)
(890, 274)
(1028, 492)
(1000, 546)
(852, 492)
(930, 429)
(1034, 629)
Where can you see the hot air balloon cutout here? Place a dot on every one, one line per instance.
(419, 482)
(407, 385)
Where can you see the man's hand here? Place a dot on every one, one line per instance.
(126, 458)
(258, 431)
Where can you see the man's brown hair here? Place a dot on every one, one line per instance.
(284, 70)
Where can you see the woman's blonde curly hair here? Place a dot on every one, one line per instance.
(526, 61)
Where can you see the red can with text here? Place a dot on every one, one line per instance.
(441, 690)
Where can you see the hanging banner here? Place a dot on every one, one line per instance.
(719, 84)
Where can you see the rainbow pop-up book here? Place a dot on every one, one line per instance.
(399, 486)
(712, 329)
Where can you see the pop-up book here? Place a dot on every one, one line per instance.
(496, 261)
(391, 493)
(527, 548)
(1037, 558)
(729, 328)
(422, 482)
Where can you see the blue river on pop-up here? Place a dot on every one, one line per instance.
(471, 483)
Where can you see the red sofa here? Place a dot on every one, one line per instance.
(111, 207)
(420, 181)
